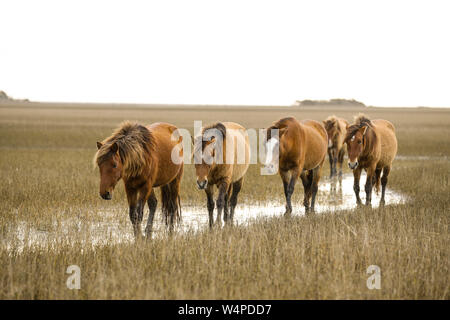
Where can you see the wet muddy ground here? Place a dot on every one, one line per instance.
(334, 195)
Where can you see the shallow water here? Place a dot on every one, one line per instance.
(334, 195)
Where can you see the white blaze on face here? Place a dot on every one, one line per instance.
(352, 139)
(330, 144)
(271, 162)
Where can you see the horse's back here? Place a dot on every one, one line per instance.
(240, 153)
(316, 143)
(386, 132)
(162, 134)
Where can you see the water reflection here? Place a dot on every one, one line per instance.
(334, 194)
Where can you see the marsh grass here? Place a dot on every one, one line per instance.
(47, 178)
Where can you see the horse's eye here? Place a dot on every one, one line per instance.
(115, 165)
(359, 142)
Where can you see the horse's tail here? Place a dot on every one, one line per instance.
(171, 203)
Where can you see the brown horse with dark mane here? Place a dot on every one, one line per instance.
(336, 130)
(222, 157)
(142, 157)
(372, 146)
(302, 149)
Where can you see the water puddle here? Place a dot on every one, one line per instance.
(114, 227)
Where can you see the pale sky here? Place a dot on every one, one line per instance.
(384, 53)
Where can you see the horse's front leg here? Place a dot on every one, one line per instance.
(369, 185)
(356, 178)
(384, 180)
(223, 190)
(210, 203)
(289, 181)
(135, 211)
(152, 204)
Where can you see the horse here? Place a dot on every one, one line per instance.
(336, 130)
(302, 149)
(219, 140)
(141, 157)
(372, 146)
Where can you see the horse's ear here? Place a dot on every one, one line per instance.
(99, 145)
(363, 130)
(346, 126)
(114, 147)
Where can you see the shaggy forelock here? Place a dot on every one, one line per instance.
(135, 143)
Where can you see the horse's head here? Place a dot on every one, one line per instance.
(205, 158)
(331, 126)
(355, 145)
(110, 165)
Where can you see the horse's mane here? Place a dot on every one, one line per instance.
(135, 144)
(282, 122)
(217, 125)
(330, 122)
(360, 121)
(279, 124)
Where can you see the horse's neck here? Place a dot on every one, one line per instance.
(371, 140)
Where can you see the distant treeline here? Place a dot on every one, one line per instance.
(5, 97)
(332, 102)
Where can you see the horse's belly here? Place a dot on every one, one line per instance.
(239, 171)
(166, 176)
(316, 149)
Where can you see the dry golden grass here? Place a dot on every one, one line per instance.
(48, 179)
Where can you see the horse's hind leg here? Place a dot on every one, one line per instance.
(306, 177)
(315, 184)
(227, 204)
(233, 200)
(330, 158)
(210, 203)
(152, 204)
(223, 190)
(170, 195)
(341, 160)
(384, 180)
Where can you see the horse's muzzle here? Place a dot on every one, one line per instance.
(202, 184)
(106, 196)
(352, 165)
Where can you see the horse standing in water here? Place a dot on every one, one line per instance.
(141, 157)
(302, 150)
(372, 146)
(336, 130)
(222, 157)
